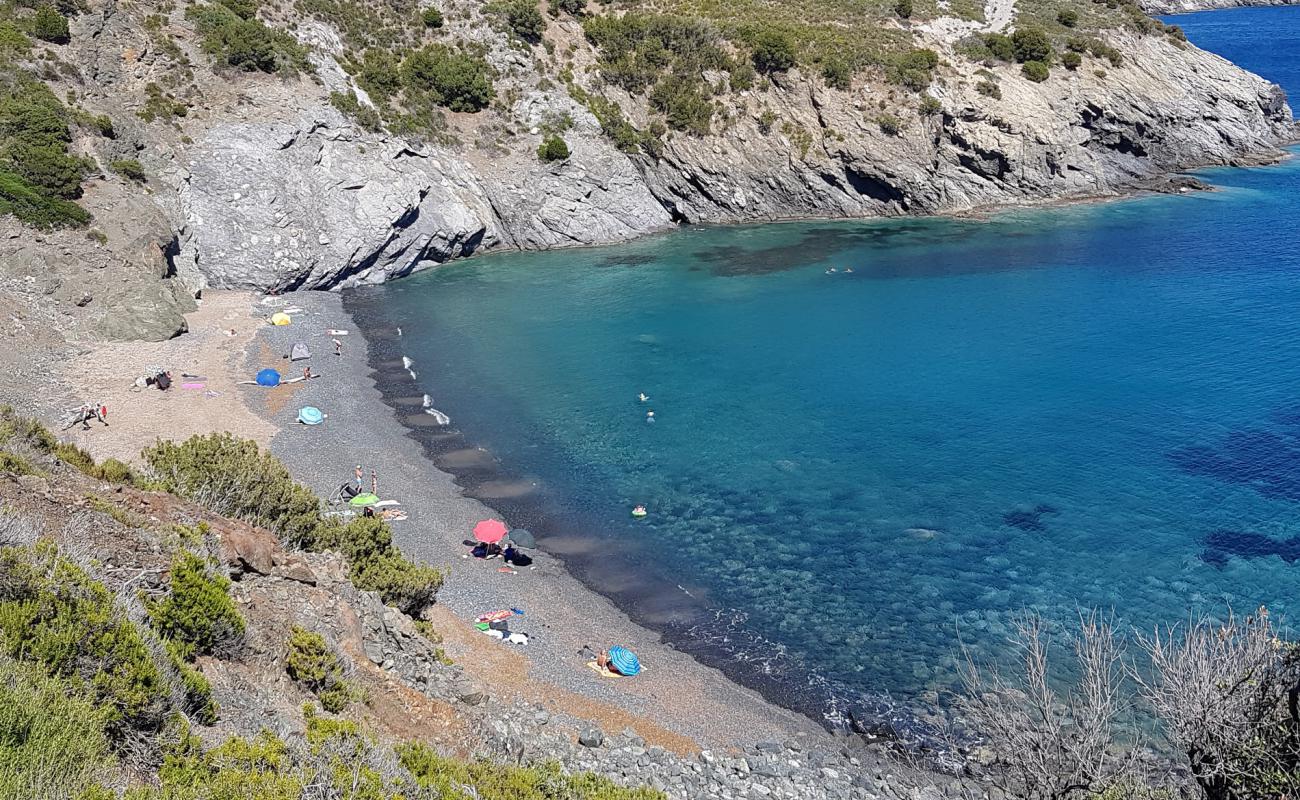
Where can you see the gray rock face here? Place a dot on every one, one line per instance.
(1186, 6)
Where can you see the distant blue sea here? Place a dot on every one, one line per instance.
(1056, 409)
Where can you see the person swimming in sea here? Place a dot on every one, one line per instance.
(643, 397)
(831, 271)
(639, 511)
(649, 416)
(847, 270)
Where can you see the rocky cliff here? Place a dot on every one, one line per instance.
(1188, 6)
(260, 181)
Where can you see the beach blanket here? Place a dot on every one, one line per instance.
(192, 386)
(604, 673)
(335, 332)
(495, 616)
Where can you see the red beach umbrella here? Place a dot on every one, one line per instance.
(490, 531)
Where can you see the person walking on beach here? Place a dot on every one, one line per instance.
(360, 474)
(338, 347)
(374, 483)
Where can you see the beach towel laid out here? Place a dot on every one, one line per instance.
(192, 386)
(604, 673)
(336, 332)
(386, 503)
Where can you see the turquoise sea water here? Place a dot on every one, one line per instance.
(1055, 409)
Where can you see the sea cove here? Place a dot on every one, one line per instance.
(873, 440)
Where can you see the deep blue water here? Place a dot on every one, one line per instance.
(1054, 409)
(1264, 40)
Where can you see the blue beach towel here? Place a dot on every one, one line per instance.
(624, 660)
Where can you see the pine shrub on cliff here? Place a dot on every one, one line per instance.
(197, 612)
(38, 176)
(245, 42)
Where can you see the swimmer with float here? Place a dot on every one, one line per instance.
(639, 511)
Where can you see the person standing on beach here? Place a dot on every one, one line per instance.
(338, 347)
(359, 475)
(374, 483)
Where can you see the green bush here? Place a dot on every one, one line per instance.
(637, 50)
(455, 80)
(14, 464)
(930, 106)
(1031, 44)
(311, 663)
(233, 477)
(495, 782)
(366, 116)
(683, 103)
(246, 43)
(48, 24)
(197, 612)
(521, 17)
(431, 17)
(129, 168)
(914, 69)
(1068, 17)
(1071, 60)
(37, 174)
(889, 124)
(1035, 71)
(12, 40)
(1000, 46)
(54, 615)
(903, 8)
(773, 51)
(837, 74)
(575, 8)
(553, 148)
(52, 739)
(989, 89)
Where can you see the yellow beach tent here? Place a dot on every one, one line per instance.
(280, 318)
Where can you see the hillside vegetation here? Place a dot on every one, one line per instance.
(103, 692)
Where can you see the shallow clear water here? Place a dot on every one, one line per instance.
(1056, 409)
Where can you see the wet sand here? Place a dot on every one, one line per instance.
(675, 693)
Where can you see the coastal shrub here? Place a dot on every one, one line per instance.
(431, 17)
(638, 50)
(1068, 17)
(553, 148)
(684, 104)
(496, 782)
(521, 17)
(53, 615)
(989, 89)
(312, 663)
(889, 124)
(52, 739)
(12, 40)
(49, 25)
(1031, 44)
(914, 69)
(1071, 60)
(14, 464)
(246, 43)
(625, 136)
(903, 8)
(837, 74)
(930, 106)
(38, 176)
(233, 477)
(365, 116)
(448, 78)
(574, 8)
(1035, 71)
(197, 612)
(128, 168)
(773, 51)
